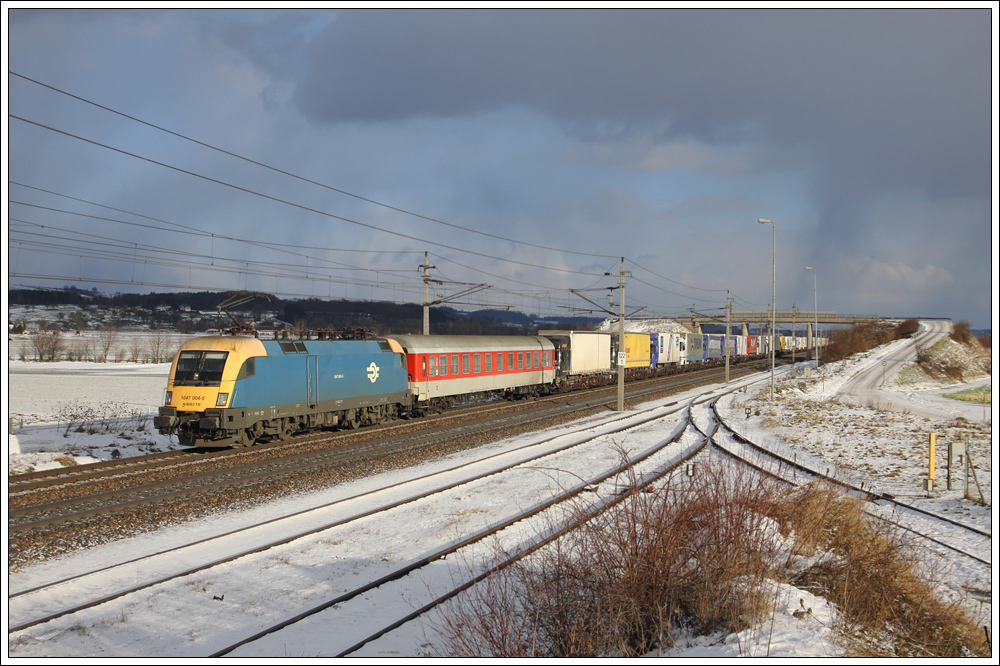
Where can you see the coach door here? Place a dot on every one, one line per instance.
(312, 380)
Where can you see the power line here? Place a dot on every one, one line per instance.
(284, 201)
(301, 178)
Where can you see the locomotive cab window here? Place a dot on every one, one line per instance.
(200, 368)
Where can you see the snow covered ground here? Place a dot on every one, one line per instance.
(810, 417)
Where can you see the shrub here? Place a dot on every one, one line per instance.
(699, 556)
(961, 332)
(858, 338)
(691, 554)
(907, 328)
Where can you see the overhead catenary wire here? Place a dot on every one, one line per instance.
(301, 178)
(534, 265)
(285, 201)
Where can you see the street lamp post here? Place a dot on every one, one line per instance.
(773, 260)
(816, 321)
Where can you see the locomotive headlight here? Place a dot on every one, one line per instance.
(223, 399)
(170, 396)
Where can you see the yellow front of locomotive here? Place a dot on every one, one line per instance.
(202, 378)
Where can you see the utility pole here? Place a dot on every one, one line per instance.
(622, 356)
(729, 318)
(794, 341)
(621, 338)
(427, 297)
(441, 297)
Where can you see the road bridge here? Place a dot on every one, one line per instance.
(746, 319)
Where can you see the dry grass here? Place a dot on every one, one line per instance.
(868, 572)
(697, 557)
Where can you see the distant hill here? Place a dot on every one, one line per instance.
(198, 311)
(514, 317)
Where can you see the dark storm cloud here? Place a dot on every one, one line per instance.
(861, 132)
(881, 98)
(868, 102)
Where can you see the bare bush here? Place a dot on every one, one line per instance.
(859, 338)
(961, 332)
(690, 555)
(907, 328)
(699, 556)
(47, 346)
(110, 418)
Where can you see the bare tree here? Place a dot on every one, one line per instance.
(134, 348)
(159, 346)
(106, 337)
(46, 345)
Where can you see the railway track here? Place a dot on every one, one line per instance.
(940, 540)
(329, 582)
(939, 529)
(86, 508)
(546, 453)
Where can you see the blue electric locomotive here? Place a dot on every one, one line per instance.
(232, 391)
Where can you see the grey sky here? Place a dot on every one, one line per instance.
(660, 135)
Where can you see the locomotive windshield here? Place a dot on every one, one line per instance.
(200, 368)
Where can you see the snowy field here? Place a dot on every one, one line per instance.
(82, 411)
(812, 417)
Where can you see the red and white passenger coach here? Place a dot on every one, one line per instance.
(442, 367)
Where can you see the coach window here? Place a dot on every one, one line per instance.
(454, 364)
(443, 365)
(520, 360)
(500, 362)
(476, 366)
(537, 364)
(489, 362)
(465, 364)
